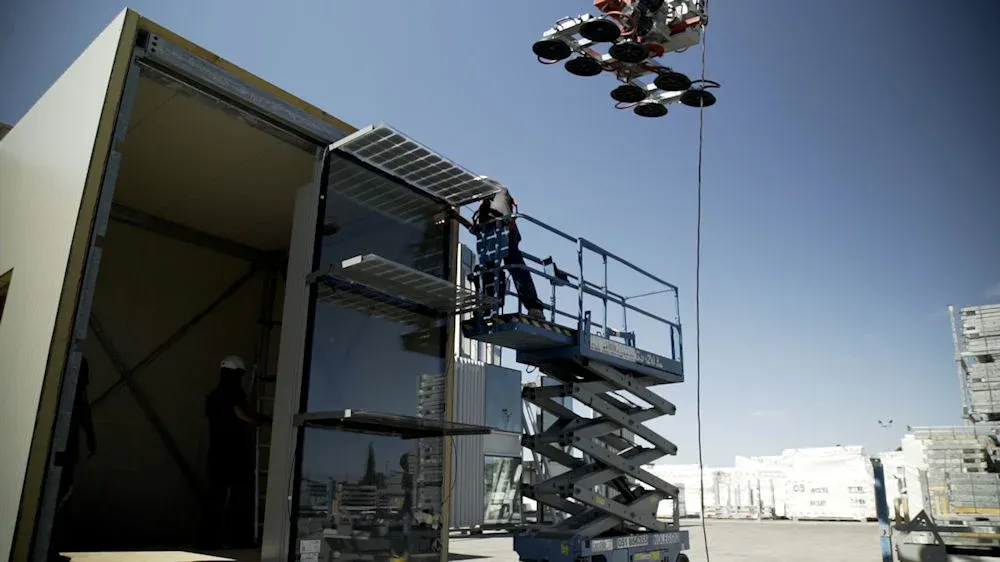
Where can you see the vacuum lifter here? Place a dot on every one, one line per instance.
(606, 500)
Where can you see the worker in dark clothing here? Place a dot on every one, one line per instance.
(502, 205)
(80, 420)
(230, 451)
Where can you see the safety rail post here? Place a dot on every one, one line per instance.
(607, 329)
(553, 311)
(580, 290)
(679, 351)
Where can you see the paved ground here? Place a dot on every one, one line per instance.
(734, 541)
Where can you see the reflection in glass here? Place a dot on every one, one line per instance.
(364, 496)
(503, 398)
(502, 477)
(360, 361)
(369, 497)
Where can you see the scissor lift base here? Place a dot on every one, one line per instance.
(644, 547)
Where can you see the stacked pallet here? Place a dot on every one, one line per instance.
(981, 346)
(981, 329)
(949, 474)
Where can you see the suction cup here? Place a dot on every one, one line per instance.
(672, 81)
(551, 49)
(651, 109)
(600, 31)
(627, 93)
(628, 51)
(583, 66)
(698, 98)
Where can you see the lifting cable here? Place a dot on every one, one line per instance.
(697, 297)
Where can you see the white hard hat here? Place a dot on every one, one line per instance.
(234, 362)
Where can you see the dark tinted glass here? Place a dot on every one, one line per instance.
(365, 495)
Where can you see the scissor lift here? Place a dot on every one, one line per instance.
(605, 510)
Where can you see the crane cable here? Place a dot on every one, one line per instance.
(697, 297)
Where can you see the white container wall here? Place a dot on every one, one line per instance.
(665, 509)
(830, 483)
(833, 483)
(894, 469)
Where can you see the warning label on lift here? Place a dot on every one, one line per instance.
(627, 352)
(635, 541)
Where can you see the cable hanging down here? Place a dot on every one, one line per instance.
(697, 302)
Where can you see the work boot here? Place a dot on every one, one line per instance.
(536, 313)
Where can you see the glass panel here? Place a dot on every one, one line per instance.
(503, 498)
(503, 398)
(367, 363)
(361, 495)
(365, 497)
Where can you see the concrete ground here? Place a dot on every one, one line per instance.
(732, 541)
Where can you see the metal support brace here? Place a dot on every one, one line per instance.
(612, 461)
(882, 510)
(176, 231)
(147, 408)
(177, 335)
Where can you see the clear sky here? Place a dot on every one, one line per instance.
(850, 174)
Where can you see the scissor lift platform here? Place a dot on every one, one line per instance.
(540, 342)
(619, 526)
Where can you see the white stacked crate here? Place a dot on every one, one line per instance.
(953, 463)
(981, 329)
(830, 483)
(981, 347)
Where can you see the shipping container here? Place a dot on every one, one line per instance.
(161, 208)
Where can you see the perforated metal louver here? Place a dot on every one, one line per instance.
(396, 154)
(407, 283)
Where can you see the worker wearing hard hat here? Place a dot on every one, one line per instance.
(230, 454)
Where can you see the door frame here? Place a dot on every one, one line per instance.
(142, 44)
(39, 493)
(293, 362)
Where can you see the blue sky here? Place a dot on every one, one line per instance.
(850, 189)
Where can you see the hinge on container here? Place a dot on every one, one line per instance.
(142, 39)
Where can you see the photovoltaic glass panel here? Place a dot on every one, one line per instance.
(407, 283)
(394, 153)
(378, 193)
(369, 303)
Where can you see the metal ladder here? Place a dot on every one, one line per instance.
(263, 391)
(607, 499)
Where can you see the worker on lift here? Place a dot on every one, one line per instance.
(502, 206)
(230, 453)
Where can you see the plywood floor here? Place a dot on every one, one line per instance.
(165, 556)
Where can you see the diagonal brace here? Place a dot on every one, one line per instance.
(177, 335)
(147, 408)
